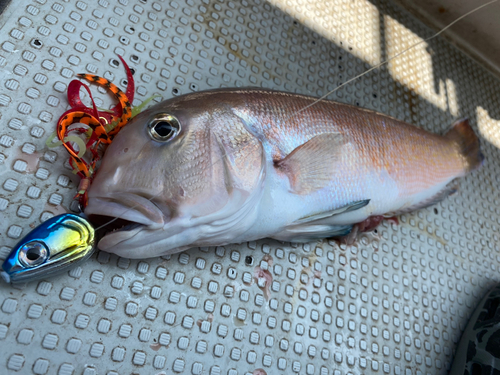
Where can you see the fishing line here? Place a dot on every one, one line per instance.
(322, 97)
(390, 59)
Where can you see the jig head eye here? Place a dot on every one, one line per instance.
(164, 128)
(33, 253)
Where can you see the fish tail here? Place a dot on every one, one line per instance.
(463, 136)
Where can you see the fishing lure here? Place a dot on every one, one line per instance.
(102, 126)
(64, 240)
(51, 248)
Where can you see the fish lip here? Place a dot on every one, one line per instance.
(111, 239)
(129, 207)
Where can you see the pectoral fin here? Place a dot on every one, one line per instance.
(323, 215)
(310, 166)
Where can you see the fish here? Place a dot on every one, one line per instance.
(234, 165)
(53, 247)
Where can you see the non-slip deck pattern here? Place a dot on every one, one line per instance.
(395, 303)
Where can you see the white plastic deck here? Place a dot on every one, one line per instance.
(395, 303)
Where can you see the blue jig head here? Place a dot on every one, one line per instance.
(51, 248)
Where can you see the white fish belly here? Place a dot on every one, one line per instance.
(279, 208)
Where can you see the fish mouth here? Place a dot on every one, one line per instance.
(121, 217)
(110, 231)
(109, 224)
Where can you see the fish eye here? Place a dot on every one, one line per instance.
(164, 127)
(33, 253)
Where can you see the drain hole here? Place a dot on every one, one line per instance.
(248, 260)
(476, 369)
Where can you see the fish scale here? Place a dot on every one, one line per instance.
(286, 165)
(389, 149)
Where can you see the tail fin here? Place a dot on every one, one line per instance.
(462, 134)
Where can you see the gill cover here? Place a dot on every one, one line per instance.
(53, 247)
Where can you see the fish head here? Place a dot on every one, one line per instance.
(169, 174)
(54, 246)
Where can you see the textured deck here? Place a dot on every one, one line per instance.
(396, 303)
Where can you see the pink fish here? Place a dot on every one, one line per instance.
(234, 165)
